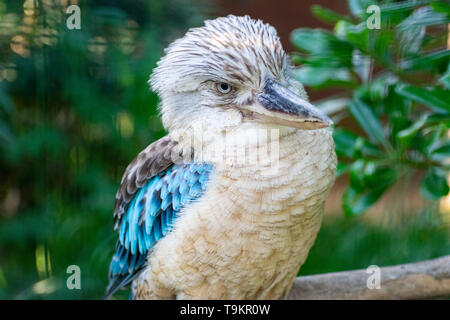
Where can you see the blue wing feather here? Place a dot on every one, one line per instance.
(151, 215)
(176, 200)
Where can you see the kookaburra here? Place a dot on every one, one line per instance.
(229, 203)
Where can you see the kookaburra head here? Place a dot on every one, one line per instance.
(230, 72)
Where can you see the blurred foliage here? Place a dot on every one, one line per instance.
(394, 83)
(351, 244)
(75, 109)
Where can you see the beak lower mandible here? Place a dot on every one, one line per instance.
(282, 106)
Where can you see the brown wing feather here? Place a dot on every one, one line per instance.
(148, 163)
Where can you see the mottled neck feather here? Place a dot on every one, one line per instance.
(254, 150)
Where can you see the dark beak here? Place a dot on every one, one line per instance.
(282, 106)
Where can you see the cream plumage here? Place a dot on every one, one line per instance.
(228, 204)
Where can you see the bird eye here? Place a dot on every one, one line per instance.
(223, 87)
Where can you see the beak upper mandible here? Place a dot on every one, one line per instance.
(291, 109)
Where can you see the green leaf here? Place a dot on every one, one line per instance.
(441, 6)
(342, 168)
(434, 97)
(373, 43)
(314, 40)
(427, 61)
(324, 47)
(405, 136)
(441, 151)
(402, 7)
(357, 7)
(379, 87)
(344, 141)
(381, 46)
(320, 77)
(434, 184)
(410, 36)
(433, 139)
(368, 121)
(357, 175)
(424, 16)
(445, 79)
(327, 15)
(379, 177)
(368, 182)
(358, 34)
(350, 145)
(439, 118)
(362, 66)
(355, 202)
(396, 107)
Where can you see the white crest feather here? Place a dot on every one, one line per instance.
(232, 49)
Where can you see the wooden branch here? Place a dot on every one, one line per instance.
(428, 279)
